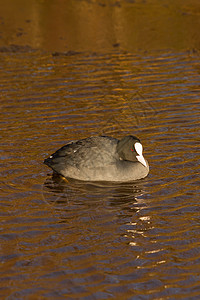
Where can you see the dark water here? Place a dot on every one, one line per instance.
(77, 240)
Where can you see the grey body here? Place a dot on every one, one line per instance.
(96, 159)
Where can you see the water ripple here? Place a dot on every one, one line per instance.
(84, 240)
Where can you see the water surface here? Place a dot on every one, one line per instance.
(79, 240)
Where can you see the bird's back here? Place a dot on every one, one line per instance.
(89, 153)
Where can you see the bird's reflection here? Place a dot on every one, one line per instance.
(57, 189)
(103, 207)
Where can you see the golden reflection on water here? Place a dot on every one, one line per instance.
(96, 25)
(121, 240)
(84, 240)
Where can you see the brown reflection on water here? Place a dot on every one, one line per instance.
(84, 240)
(96, 25)
(80, 240)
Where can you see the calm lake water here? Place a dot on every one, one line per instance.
(78, 240)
